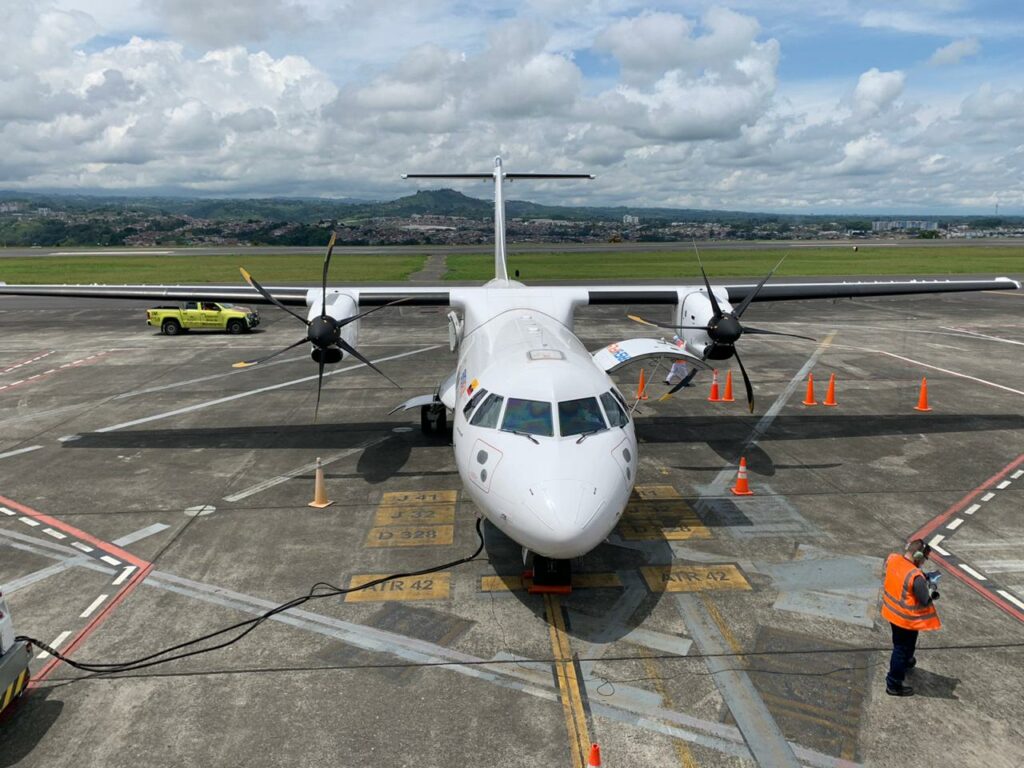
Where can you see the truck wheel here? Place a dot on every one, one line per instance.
(236, 327)
(171, 327)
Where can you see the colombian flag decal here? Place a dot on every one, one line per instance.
(472, 387)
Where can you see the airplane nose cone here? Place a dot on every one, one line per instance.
(566, 508)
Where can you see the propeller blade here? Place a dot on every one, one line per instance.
(347, 320)
(638, 319)
(248, 363)
(707, 284)
(750, 296)
(319, 386)
(746, 381)
(268, 296)
(761, 331)
(327, 265)
(356, 354)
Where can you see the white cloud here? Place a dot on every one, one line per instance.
(876, 91)
(955, 52)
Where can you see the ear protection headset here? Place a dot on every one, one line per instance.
(917, 550)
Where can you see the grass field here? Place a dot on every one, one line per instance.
(951, 260)
(267, 268)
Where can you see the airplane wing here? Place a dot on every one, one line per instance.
(737, 292)
(238, 294)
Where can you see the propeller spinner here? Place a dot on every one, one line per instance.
(323, 331)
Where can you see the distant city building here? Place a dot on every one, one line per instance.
(627, 219)
(902, 225)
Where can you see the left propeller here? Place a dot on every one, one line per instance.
(323, 331)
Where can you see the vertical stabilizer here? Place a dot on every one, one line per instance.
(499, 177)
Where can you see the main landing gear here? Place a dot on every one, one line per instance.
(434, 418)
(548, 576)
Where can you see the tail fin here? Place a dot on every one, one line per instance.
(499, 176)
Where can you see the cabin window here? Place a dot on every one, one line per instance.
(473, 402)
(617, 416)
(575, 417)
(487, 414)
(530, 416)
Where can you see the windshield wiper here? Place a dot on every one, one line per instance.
(585, 435)
(527, 435)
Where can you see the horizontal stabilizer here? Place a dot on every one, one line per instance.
(621, 353)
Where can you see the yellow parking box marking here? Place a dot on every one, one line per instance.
(694, 578)
(417, 498)
(411, 536)
(432, 514)
(686, 531)
(648, 492)
(436, 586)
(511, 583)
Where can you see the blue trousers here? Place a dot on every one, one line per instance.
(904, 642)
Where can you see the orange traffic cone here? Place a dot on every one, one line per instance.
(714, 397)
(641, 387)
(594, 758)
(728, 398)
(742, 488)
(830, 396)
(320, 499)
(809, 397)
(922, 399)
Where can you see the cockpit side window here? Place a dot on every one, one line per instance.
(473, 402)
(530, 416)
(621, 399)
(575, 417)
(487, 414)
(617, 416)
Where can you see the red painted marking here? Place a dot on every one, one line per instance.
(33, 359)
(54, 371)
(929, 528)
(144, 567)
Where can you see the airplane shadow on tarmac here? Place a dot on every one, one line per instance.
(728, 435)
(25, 725)
(601, 615)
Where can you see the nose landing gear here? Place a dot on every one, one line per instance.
(549, 576)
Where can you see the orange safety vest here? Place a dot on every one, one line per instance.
(898, 602)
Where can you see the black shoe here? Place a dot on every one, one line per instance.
(912, 663)
(902, 690)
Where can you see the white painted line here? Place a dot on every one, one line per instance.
(29, 521)
(201, 379)
(1011, 598)
(251, 392)
(305, 468)
(145, 252)
(80, 546)
(68, 438)
(95, 604)
(984, 336)
(951, 373)
(55, 534)
(988, 496)
(55, 644)
(6, 511)
(1002, 485)
(955, 524)
(124, 575)
(20, 451)
(973, 572)
(1017, 474)
(972, 509)
(140, 534)
(934, 544)
(110, 560)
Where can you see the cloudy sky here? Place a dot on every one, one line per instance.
(781, 105)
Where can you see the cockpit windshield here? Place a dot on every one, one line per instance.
(530, 416)
(576, 417)
(487, 414)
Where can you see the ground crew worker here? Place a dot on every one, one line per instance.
(908, 604)
(680, 368)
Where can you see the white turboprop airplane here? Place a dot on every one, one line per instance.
(544, 442)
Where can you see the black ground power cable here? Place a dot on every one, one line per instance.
(243, 628)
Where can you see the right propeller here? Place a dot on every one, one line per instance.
(724, 328)
(323, 331)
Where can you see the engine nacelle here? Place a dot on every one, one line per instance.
(694, 309)
(340, 306)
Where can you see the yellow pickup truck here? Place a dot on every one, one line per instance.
(202, 315)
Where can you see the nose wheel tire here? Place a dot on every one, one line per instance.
(551, 576)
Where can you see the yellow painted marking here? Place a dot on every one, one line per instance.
(659, 518)
(651, 670)
(717, 617)
(579, 580)
(436, 586)
(433, 514)
(411, 536)
(641, 507)
(417, 498)
(568, 683)
(7, 696)
(788, 708)
(648, 492)
(686, 532)
(693, 578)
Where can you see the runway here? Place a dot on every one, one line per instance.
(149, 494)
